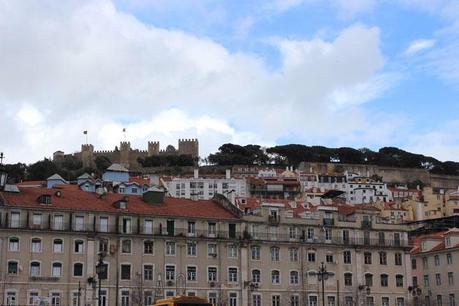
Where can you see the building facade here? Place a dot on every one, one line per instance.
(157, 246)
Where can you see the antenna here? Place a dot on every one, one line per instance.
(1, 157)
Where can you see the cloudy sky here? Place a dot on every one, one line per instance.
(360, 73)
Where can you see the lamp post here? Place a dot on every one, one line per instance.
(416, 292)
(322, 276)
(101, 270)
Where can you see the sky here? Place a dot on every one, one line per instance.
(357, 73)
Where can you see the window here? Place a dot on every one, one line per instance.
(232, 299)
(311, 256)
(79, 223)
(384, 301)
(77, 269)
(328, 234)
(399, 280)
(15, 219)
(439, 300)
(191, 248)
(329, 258)
(232, 274)
(451, 300)
(125, 272)
(103, 224)
(370, 301)
(415, 281)
(347, 257)
(191, 273)
(148, 226)
(33, 298)
(126, 226)
(367, 258)
(275, 254)
(13, 244)
(312, 300)
(275, 277)
(398, 259)
(212, 250)
(125, 298)
(413, 264)
(450, 278)
(345, 236)
(36, 245)
(437, 260)
(425, 263)
(347, 279)
(148, 298)
(36, 219)
(11, 298)
(348, 301)
(255, 251)
(56, 299)
(35, 268)
(211, 229)
(103, 245)
(256, 276)
(293, 254)
(384, 280)
(213, 298)
(382, 258)
(170, 227)
(58, 222)
(331, 301)
(78, 246)
(310, 233)
(369, 280)
(292, 233)
(256, 300)
(57, 269)
(191, 228)
(12, 267)
(449, 259)
(58, 246)
(148, 247)
(148, 273)
(170, 248)
(426, 280)
(275, 300)
(294, 277)
(170, 272)
(438, 279)
(232, 251)
(212, 274)
(232, 230)
(126, 246)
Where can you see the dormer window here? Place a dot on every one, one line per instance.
(45, 199)
(122, 204)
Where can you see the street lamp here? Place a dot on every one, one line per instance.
(322, 276)
(101, 270)
(416, 292)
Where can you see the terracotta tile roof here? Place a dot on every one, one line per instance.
(32, 184)
(139, 180)
(78, 200)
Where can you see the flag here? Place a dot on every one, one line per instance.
(85, 132)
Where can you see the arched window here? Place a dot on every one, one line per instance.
(275, 277)
(384, 280)
(57, 269)
(58, 246)
(35, 268)
(36, 245)
(275, 256)
(256, 276)
(77, 269)
(294, 277)
(348, 279)
(369, 279)
(13, 245)
(399, 280)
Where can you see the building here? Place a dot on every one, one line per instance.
(435, 258)
(204, 187)
(127, 156)
(158, 246)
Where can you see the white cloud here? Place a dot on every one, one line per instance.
(419, 45)
(350, 8)
(84, 65)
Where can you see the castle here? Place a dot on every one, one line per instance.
(127, 156)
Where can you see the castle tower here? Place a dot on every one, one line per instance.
(153, 148)
(188, 146)
(87, 155)
(125, 149)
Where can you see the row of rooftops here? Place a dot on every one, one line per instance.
(436, 242)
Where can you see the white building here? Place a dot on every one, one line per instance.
(204, 187)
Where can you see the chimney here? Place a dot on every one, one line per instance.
(196, 173)
(228, 174)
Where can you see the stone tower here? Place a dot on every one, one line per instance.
(188, 146)
(153, 148)
(125, 149)
(87, 155)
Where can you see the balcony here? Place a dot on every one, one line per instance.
(328, 222)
